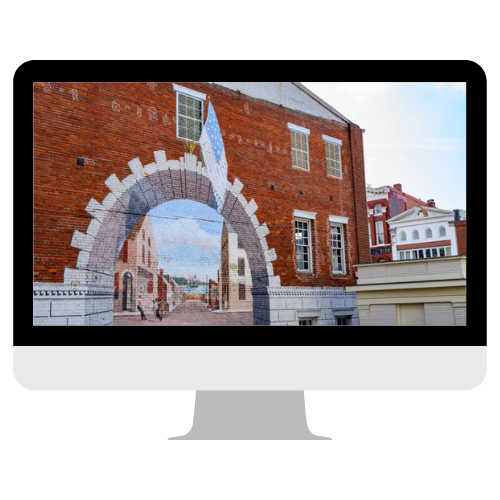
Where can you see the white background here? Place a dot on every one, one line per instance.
(249, 367)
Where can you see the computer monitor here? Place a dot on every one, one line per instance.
(252, 392)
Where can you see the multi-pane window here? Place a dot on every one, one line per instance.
(425, 253)
(338, 253)
(380, 233)
(189, 117)
(303, 245)
(333, 158)
(333, 166)
(306, 322)
(299, 146)
(300, 150)
(343, 321)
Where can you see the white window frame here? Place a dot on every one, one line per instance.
(413, 235)
(341, 222)
(307, 218)
(413, 254)
(342, 248)
(305, 132)
(401, 236)
(193, 94)
(377, 210)
(334, 142)
(378, 224)
(425, 233)
(439, 232)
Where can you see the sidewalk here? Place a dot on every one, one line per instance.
(191, 313)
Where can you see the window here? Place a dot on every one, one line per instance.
(143, 255)
(338, 254)
(342, 321)
(241, 291)
(241, 266)
(425, 253)
(380, 233)
(300, 147)
(149, 259)
(189, 113)
(378, 209)
(428, 233)
(402, 236)
(442, 231)
(303, 245)
(125, 252)
(333, 163)
(306, 322)
(149, 242)
(415, 235)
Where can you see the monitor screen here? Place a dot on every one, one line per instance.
(249, 367)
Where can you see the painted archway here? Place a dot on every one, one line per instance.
(147, 187)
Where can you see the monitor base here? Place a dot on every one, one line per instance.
(249, 415)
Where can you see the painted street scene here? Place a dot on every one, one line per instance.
(182, 264)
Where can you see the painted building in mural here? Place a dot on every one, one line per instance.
(137, 277)
(293, 191)
(235, 278)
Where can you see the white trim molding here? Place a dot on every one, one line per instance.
(304, 215)
(300, 130)
(332, 140)
(338, 219)
(189, 92)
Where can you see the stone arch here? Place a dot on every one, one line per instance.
(145, 188)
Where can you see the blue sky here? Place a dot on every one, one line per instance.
(415, 134)
(187, 236)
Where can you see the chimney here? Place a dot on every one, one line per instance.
(399, 187)
(431, 203)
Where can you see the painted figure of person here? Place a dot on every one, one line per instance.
(156, 310)
(141, 310)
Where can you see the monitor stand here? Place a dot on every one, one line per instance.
(255, 415)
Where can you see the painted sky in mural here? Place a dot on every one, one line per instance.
(188, 238)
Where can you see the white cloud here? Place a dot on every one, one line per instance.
(185, 232)
(460, 86)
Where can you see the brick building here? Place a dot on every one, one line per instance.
(137, 276)
(383, 203)
(105, 154)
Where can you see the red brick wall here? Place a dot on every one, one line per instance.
(461, 229)
(109, 124)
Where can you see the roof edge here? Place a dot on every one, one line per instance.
(320, 101)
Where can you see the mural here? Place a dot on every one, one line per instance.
(172, 243)
(184, 257)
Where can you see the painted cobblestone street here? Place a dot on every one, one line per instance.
(191, 313)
